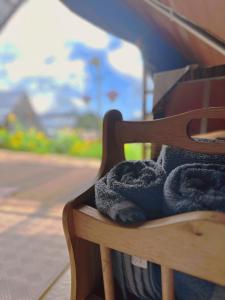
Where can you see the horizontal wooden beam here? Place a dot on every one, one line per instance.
(192, 243)
(187, 25)
(170, 131)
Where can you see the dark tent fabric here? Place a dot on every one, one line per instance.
(120, 19)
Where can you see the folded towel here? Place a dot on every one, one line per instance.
(124, 194)
(131, 192)
(194, 187)
(170, 157)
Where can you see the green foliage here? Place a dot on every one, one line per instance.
(89, 121)
(67, 143)
(133, 151)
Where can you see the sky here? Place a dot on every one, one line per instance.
(51, 54)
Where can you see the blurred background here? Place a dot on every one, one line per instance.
(59, 74)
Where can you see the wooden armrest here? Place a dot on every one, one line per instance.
(193, 242)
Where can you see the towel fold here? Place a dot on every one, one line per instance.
(193, 187)
(131, 192)
(170, 157)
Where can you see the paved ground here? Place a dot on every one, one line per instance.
(33, 191)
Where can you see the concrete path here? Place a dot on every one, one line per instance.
(33, 191)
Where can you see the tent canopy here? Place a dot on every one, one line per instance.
(170, 34)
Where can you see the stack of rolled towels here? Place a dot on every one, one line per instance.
(136, 191)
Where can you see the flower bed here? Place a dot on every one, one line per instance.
(68, 143)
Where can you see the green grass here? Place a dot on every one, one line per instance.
(67, 143)
(133, 151)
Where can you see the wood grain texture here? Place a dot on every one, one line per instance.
(206, 14)
(107, 273)
(84, 256)
(208, 49)
(167, 283)
(171, 131)
(184, 242)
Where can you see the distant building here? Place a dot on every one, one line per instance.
(15, 108)
(53, 122)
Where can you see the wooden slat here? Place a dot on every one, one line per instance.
(208, 49)
(167, 283)
(170, 131)
(107, 273)
(190, 238)
(207, 14)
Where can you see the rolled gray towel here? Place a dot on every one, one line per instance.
(170, 157)
(194, 187)
(131, 192)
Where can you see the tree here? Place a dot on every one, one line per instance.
(89, 121)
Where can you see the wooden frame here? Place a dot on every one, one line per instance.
(184, 242)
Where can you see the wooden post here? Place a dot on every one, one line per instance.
(107, 273)
(144, 104)
(167, 283)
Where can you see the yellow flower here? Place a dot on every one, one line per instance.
(15, 143)
(19, 134)
(79, 147)
(11, 117)
(32, 130)
(41, 135)
(31, 145)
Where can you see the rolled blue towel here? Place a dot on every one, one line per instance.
(170, 157)
(194, 187)
(131, 192)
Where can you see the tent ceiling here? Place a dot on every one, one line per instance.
(121, 19)
(171, 34)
